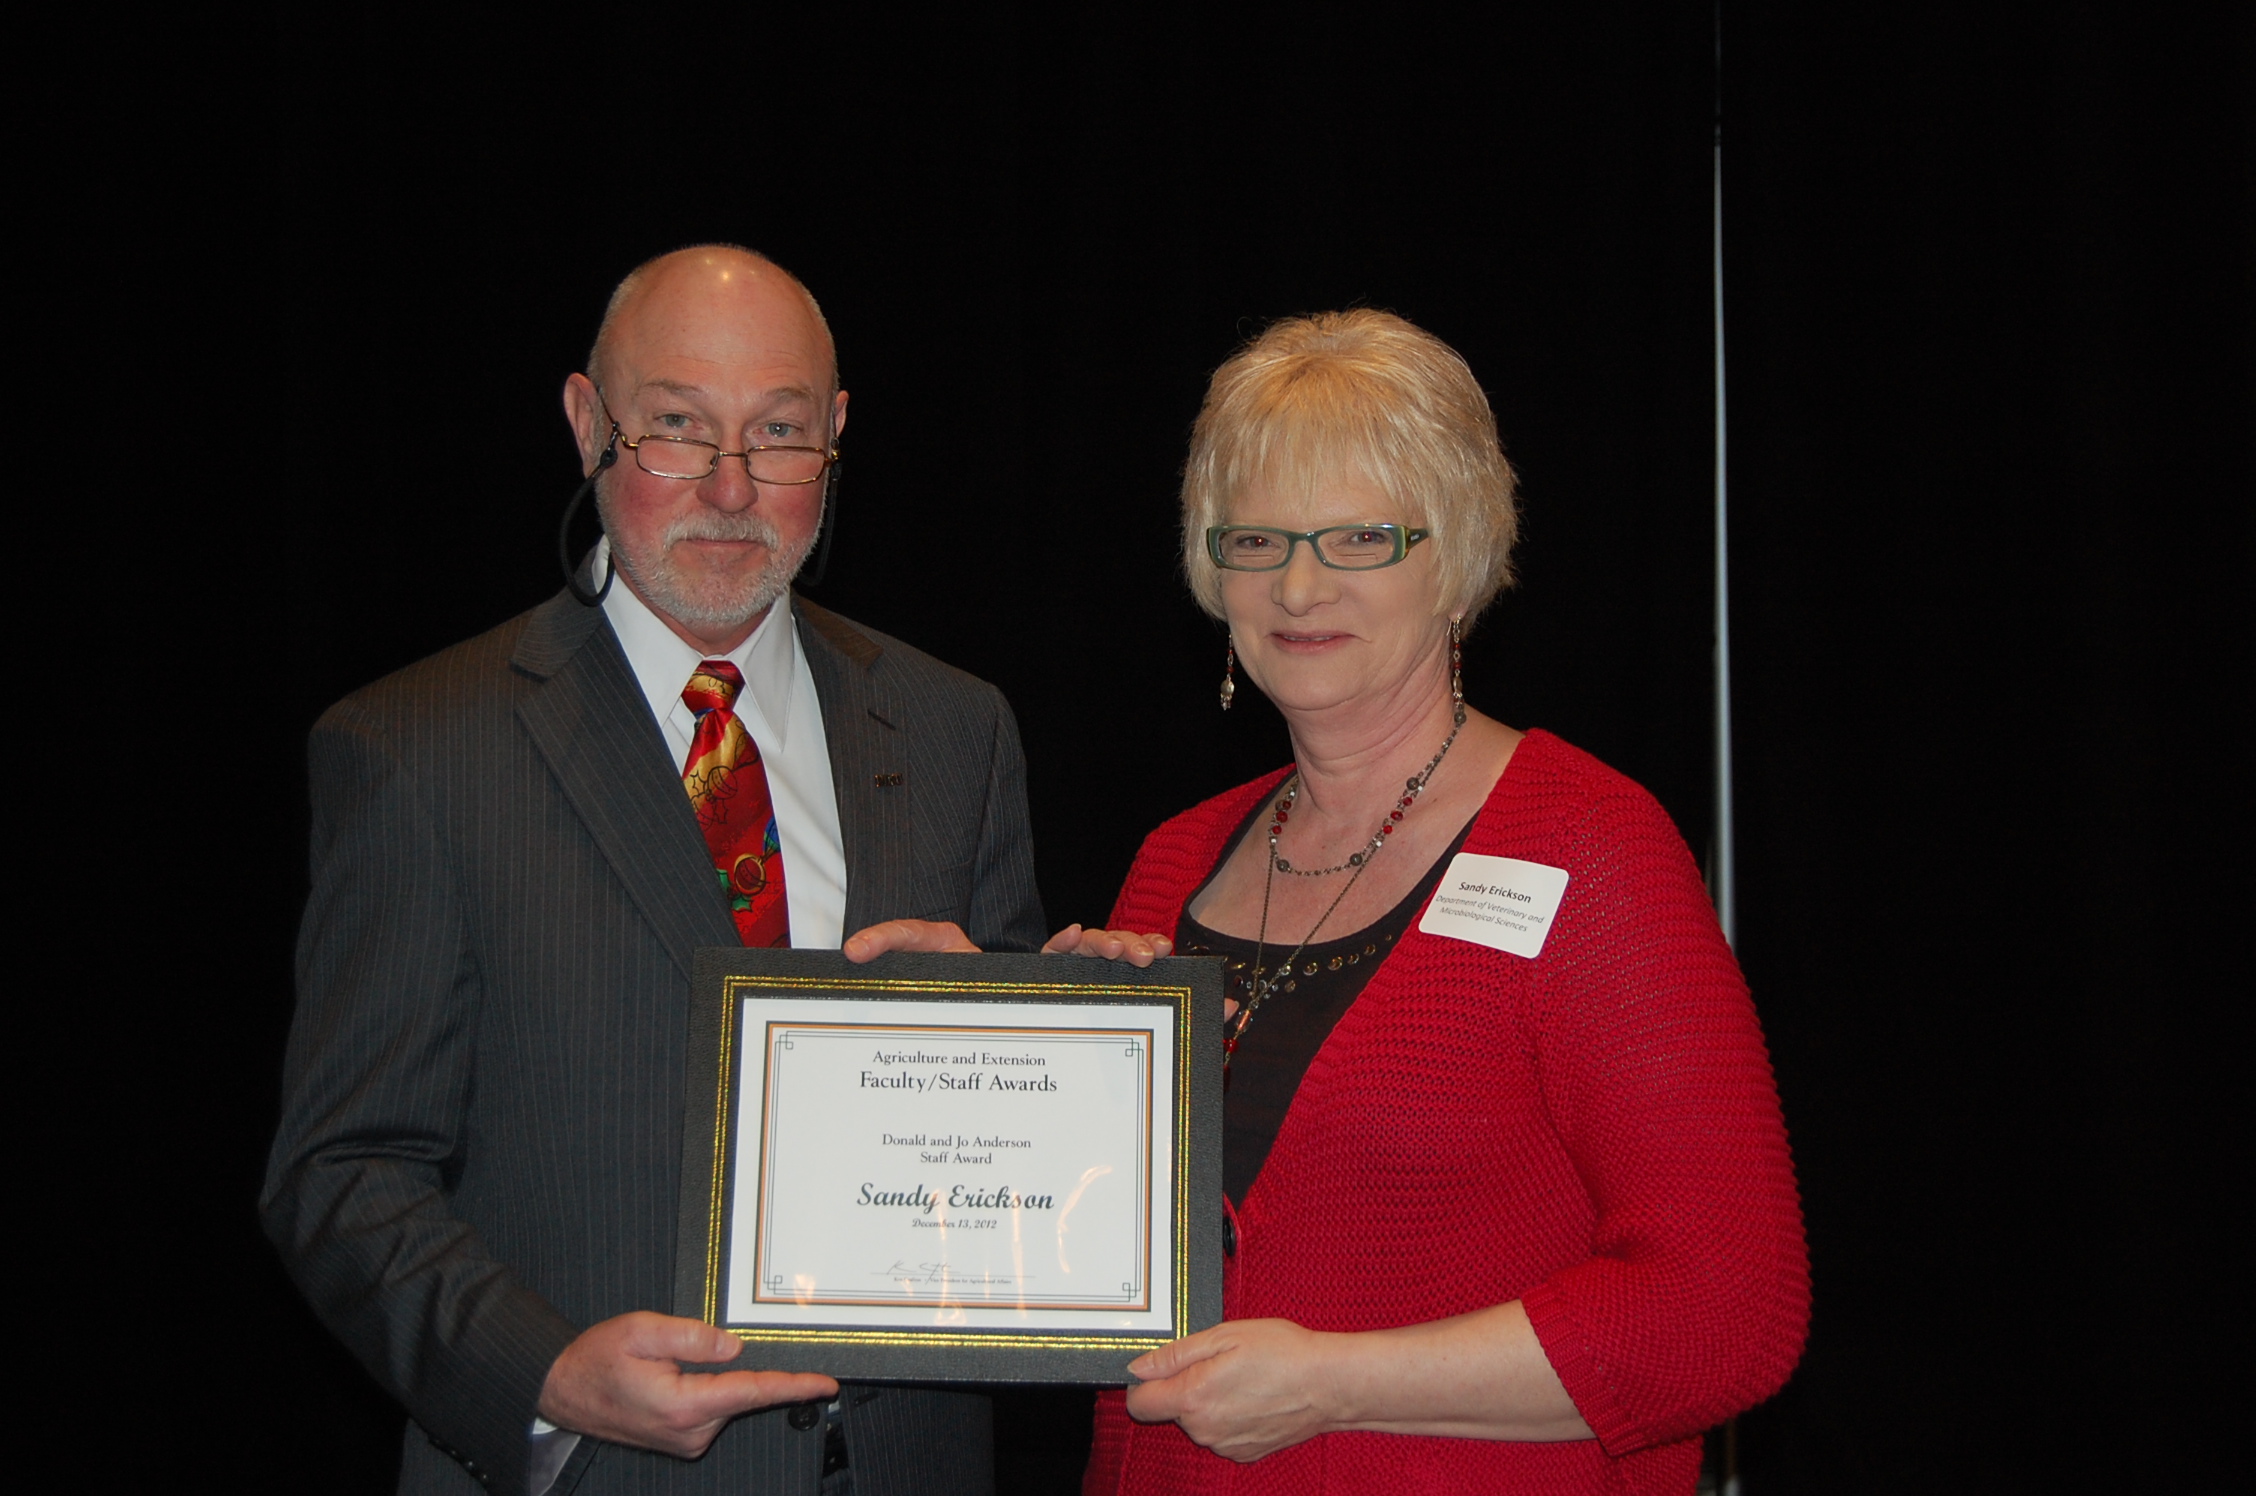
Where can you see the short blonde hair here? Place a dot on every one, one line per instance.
(1367, 394)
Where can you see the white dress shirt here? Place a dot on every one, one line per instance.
(779, 708)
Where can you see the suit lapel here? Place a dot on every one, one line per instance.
(590, 722)
(864, 724)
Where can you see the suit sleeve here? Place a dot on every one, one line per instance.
(376, 1089)
(1006, 904)
(1694, 1301)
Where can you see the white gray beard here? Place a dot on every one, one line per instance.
(715, 602)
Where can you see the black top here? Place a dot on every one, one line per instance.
(1281, 1042)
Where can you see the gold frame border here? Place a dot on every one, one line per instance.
(760, 1295)
(732, 991)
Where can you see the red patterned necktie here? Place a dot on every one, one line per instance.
(729, 787)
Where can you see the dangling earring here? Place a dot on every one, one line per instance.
(1229, 673)
(1457, 666)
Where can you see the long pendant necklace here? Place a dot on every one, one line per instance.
(1264, 982)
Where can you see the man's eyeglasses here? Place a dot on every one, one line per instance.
(688, 458)
(1341, 547)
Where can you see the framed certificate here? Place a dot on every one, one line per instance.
(970, 1168)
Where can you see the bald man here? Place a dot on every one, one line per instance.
(475, 1179)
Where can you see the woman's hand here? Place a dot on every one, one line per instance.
(1245, 1388)
(1250, 1387)
(1113, 945)
(906, 935)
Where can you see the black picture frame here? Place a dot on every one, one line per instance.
(1190, 986)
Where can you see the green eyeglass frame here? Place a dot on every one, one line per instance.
(1359, 550)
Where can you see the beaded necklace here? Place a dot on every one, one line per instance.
(1262, 982)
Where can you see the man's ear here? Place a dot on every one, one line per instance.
(837, 414)
(583, 407)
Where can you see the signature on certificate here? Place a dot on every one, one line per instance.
(938, 1274)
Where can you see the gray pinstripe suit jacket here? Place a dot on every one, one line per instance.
(480, 1136)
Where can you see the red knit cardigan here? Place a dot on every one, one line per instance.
(1593, 1132)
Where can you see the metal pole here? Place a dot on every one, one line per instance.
(1723, 873)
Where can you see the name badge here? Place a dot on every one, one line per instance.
(1496, 901)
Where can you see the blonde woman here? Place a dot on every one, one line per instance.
(1510, 1197)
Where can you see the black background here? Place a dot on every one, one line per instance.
(1990, 409)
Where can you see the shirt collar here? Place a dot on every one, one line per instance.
(663, 661)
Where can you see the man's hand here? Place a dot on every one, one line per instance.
(907, 935)
(620, 1381)
(1243, 1389)
(1112, 945)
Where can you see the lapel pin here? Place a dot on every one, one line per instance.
(888, 781)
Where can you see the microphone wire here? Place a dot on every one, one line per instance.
(580, 594)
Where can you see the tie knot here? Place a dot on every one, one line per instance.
(714, 684)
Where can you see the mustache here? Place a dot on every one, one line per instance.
(745, 525)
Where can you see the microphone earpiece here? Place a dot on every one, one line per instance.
(604, 459)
